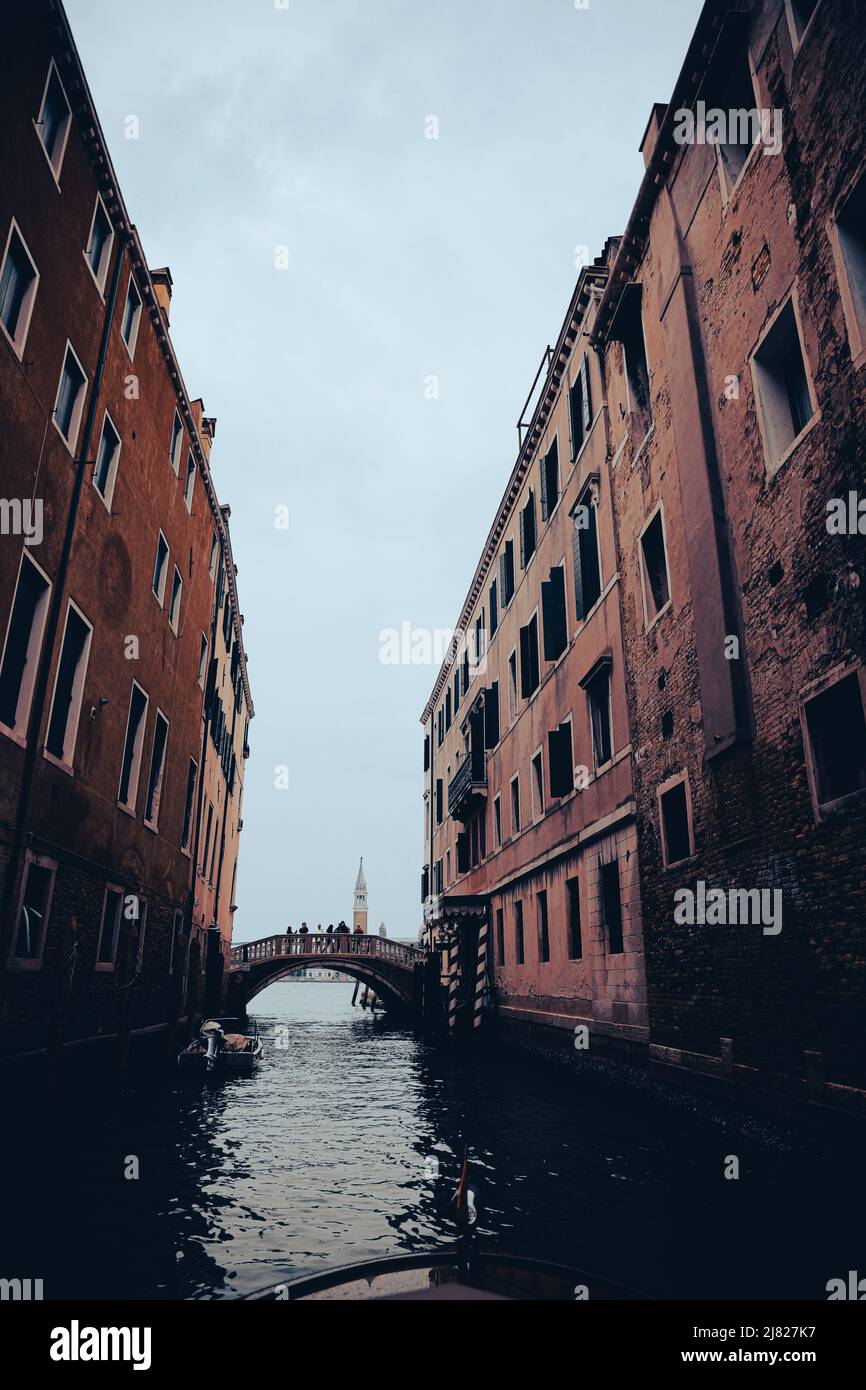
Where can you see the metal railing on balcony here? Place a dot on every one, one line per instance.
(469, 782)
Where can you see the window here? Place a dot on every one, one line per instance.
(437, 876)
(133, 743)
(203, 869)
(176, 442)
(799, 14)
(176, 595)
(213, 556)
(730, 88)
(518, 932)
(597, 688)
(176, 935)
(529, 667)
(543, 930)
(157, 768)
(202, 671)
(463, 860)
(497, 819)
(500, 936)
(559, 758)
(515, 804)
(575, 944)
(585, 552)
(782, 385)
(456, 691)
(849, 245)
(538, 785)
(674, 814)
(580, 408)
(512, 685)
(448, 710)
(160, 568)
(34, 910)
(19, 280)
(448, 861)
(107, 457)
(190, 481)
(527, 531)
(553, 614)
(109, 929)
(22, 646)
(99, 244)
(70, 398)
(494, 609)
(131, 316)
(188, 804)
(216, 835)
(836, 740)
(506, 573)
(426, 736)
(611, 907)
(438, 800)
(549, 479)
(628, 329)
(54, 120)
(137, 929)
(491, 715)
(654, 569)
(68, 687)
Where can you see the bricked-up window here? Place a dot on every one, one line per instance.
(131, 765)
(538, 784)
(527, 531)
(529, 664)
(837, 740)
(109, 928)
(54, 120)
(491, 715)
(497, 820)
(19, 280)
(176, 444)
(176, 596)
(628, 329)
(22, 646)
(438, 800)
(506, 573)
(35, 909)
(782, 385)
(494, 609)
(656, 586)
(543, 929)
(584, 552)
(611, 907)
(553, 614)
(500, 936)
(189, 484)
(515, 804)
(160, 568)
(676, 827)
(851, 261)
(549, 480)
(131, 316)
(598, 694)
(70, 398)
(107, 457)
(519, 955)
(188, 803)
(99, 244)
(157, 769)
(69, 687)
(580, 408)
(575, 942)
(559, 758)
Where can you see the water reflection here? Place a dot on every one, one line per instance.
(328, 1154)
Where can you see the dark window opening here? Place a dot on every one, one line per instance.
(134, 736)
(584, 552)
(538, 782)
(529, 664)
(553, 614)
(187, 805)
(500, 936)
(438, 800)
(494, 609)
(783, 386)
(549, 478)
(656, 586)
(22, 644)
(60, 730)
(107, 953)
(543, 930)
(527, 531)
(506, 573)
(676, 837)
(598, 692)
(611, 908)
(34, 911)
(575, 942)
(559, 757)
(17, 280)
(518, 933)
(580, 408)
(837, 734)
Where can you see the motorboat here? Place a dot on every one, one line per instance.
(219, 1048)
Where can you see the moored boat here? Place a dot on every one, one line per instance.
(221, 1049)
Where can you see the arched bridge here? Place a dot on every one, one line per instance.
(395, 971)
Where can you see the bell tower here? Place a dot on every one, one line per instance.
(359, 910)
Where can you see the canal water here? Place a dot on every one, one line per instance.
(347, 1144)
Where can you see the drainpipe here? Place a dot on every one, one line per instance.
(37, 707)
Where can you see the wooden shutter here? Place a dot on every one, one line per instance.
(426, 752)
(559, 760)
(571, 392)
(525, 687)
(579, 607)
(462, 852)
(503, 579)
(553, 614)
(586, 394)
(494, 609)
(523, 539)
(543, 478)
(491, 715)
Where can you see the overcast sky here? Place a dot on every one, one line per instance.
(306, 127)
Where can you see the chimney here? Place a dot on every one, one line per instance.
(162, 285)
(208, 431)
(651, 134)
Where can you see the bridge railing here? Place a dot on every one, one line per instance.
(324, 944)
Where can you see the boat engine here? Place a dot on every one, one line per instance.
(213, 1035)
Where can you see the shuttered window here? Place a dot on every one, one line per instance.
(585, 558)
(494, 609)
(559, 758)
(491, 715)
(580, 408)
(527, 531)
(549, 480)
(438, 800)
(553, 614)
(529, 664)
(506, 574)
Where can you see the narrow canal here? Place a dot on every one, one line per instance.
(330, 1153)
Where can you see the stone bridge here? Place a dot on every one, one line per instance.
(396, 972)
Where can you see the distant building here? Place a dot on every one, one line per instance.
(359, 912)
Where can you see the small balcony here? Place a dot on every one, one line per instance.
(467, 788)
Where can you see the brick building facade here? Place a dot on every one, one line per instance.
(124, 698)
(727, 342)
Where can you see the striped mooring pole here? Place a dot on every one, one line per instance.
(480, 974)
(453, 981)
